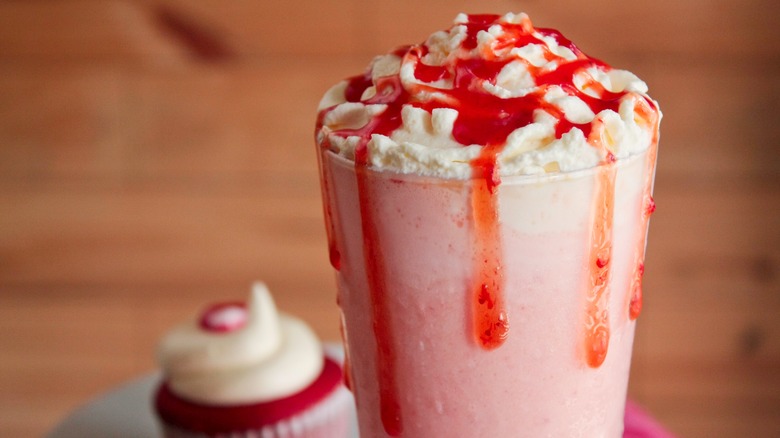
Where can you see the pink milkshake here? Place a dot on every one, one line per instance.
(487, 194)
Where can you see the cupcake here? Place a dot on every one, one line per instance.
(245, 370)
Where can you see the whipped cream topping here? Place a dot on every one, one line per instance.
(241, 354)
(489, 80)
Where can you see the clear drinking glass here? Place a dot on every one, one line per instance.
(416, 364)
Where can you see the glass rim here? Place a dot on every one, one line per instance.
(344, 162)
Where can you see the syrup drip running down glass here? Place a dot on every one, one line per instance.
(600, 258)
(649, 113)
(491, 323)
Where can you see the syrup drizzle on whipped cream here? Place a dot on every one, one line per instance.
(463, 82)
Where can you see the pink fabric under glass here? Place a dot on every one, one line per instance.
(639, 424)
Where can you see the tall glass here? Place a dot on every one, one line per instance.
(417, 366)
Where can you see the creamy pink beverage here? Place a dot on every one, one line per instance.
(487, 195)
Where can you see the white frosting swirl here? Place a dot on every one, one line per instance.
(272, 356)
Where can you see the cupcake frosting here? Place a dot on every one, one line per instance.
(240, 353)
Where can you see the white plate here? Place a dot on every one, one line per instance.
(126, 412)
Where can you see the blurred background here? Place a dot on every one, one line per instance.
(158, 155)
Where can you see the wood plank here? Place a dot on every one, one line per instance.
(129, 237)
(85, 30)
(256, 29)
(714, 246)
(165, 32)
(736, 397)
(60, 122)
(727, 335)
(605, 29)
(228, 121)
(174, 30)
(717, 124)
(58, 354)
(102, 122)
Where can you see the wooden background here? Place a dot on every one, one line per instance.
(158, 155)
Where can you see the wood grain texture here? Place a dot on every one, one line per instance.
(158, 155)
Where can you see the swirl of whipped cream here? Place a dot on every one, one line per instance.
(241, 355)
(492, 80)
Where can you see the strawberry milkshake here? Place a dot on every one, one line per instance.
(486, 197)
